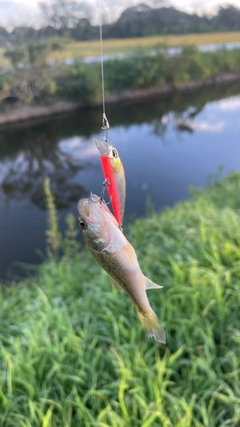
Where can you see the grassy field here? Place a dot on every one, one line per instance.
(73, 353)
(110, 47)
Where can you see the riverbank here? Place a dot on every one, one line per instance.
(74, 353)
(27, 113)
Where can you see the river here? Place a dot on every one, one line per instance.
(166, 145)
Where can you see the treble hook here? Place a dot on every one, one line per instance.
(105, 127)
(105, 184)
(101, 198)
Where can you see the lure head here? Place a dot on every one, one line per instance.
(114, 159)
(107, 150)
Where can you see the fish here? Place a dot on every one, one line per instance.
(115, 254)
(115, 179)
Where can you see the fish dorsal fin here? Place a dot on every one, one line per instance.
(116, 285)
(150, 285)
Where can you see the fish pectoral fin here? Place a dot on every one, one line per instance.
(150, 285)
(116, 285)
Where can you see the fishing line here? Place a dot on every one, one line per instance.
(102, 68)
(105, 123)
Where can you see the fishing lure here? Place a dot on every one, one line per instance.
(114, 174)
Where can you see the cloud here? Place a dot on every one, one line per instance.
(14, 13)
(229, 104)
(204, 126)
(79, 148)
(203, 6)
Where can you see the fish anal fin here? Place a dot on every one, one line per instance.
(116, 285)
(150, 285)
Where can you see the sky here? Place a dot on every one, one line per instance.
(27, 12)
(202, 6)
(188, 5)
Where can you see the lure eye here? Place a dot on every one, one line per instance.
(81, 223)
(115, 153)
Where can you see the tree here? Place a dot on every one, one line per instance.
(83, 30)
(63, 14)
(30, 71)
(16, 55)
(228, 18)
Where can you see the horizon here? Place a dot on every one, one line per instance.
(28, 13)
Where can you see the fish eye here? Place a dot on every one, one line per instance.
(115, 153)
(81, 223)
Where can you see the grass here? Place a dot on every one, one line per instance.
(73, 352)
(115, 46)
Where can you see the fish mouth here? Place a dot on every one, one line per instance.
(93, 198)
(83, 208)
(87, 207)
(103, 148)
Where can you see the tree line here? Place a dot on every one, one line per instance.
(138, 21)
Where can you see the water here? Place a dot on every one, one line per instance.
(172, 51)
(219, 46)
(165, 145)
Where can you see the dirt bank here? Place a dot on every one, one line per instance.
(169, 89)
(24, 113)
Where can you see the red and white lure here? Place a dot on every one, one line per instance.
(114, 175)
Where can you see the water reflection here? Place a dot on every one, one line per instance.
(39, 155)
(165, 146)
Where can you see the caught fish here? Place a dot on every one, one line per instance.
(114, 177)
(117, 257)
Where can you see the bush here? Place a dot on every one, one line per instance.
(80, 83)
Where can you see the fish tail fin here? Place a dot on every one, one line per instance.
(152, 326)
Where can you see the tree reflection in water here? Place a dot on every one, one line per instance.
(38, 155)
